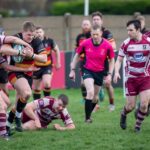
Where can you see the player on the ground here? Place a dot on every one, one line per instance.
(41, 112)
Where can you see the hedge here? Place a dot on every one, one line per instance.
(116, 7)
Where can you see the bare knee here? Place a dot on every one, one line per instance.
(26, 94)
(47, 85)
(143, 107)
(130, 107)
(90, 94)
(95, 99)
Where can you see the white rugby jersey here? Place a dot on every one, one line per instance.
(46, 112)
(137, 57)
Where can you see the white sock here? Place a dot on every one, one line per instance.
(18, 115)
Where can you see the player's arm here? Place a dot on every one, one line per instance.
(74, 62)
(6, 49)
(67, 127)
(73, 66)
(29, 110)
(16, 40)
(111, 65)
(39, 51)
(117, 68)
(57, 53)
(8, 67)
(41, 57)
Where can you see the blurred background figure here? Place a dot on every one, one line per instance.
(45, 73)
(85, 34)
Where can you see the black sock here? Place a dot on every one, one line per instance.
(125, 111)
(47, 91)
(88, 108)
(83, 91)
(93, 105)
(11, 116)
(20, 105)
(37, 94)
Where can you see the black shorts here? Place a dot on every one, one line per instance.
(3, 76)
(97, 76)
(13, 76)
(43, 70)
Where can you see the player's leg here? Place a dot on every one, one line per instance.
(37, 76)
(101, 94)
(142, 112)
(25, 93)
(29, 125)
(36, 89)
(89, 84)
(3, 108)
(4, 80)
(130, 105)
(110, 91)
(5, 98)
(46, 80)
(98, 82)
(23, 89)
(96, 97)
(83, 89)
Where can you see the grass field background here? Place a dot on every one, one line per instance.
(103, 134)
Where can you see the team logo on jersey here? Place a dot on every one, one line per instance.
(47, 111)
(41, 103)
(144, 46)
(138, 57)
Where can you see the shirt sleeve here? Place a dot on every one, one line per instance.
(66, 118)
(111, 53)
(122, 50)
(43, 102)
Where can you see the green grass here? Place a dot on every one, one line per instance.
(104, 133)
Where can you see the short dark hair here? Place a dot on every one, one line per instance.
(29, 26)
(64, 99)
(136, 23)
(39, 27)
(97, 13)
(95, 27)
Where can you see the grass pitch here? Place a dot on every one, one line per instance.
(104, 133)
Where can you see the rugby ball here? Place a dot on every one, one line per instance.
(18, 58)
